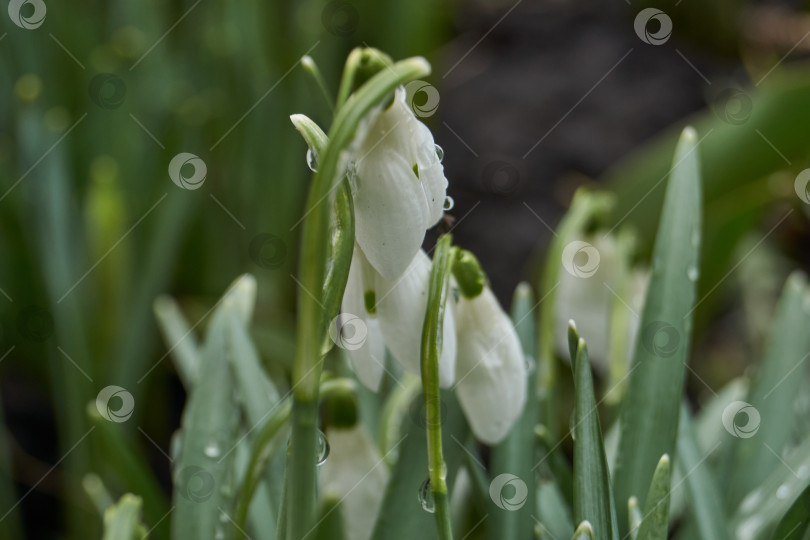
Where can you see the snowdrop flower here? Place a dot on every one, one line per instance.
(394, 312)
(491, 368)
(399, 186)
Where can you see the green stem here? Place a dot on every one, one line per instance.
(263, 448)
(311, 67)
(315, 248)
(431, 353)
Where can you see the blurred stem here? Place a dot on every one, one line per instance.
(315, 249)
(311, 67)
(431, 353)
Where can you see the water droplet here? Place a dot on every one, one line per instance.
(212, 450)
(804, 472)
(322, 451)
(439, 152)
(692, 273)
(223, 517)
(219, 534)
(449, 203)
(783, 492)
(312, 160)
(425, 497)
(529, 365)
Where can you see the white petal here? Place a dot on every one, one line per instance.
(491, 369)
(353, 474)
(431, 171)
(390, 213)
(367, 356)
(401, 307)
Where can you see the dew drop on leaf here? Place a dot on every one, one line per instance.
(425, 497)
(322, 451)
(312, 160)
(211, 450)
(439, 152)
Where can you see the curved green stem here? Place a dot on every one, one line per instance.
(315, 248)
(431, 353)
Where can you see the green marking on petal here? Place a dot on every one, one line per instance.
(371, 302)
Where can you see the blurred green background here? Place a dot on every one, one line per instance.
(536, 100)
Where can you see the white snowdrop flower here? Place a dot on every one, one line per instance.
(394, 313)
(490, 369)
(399, 186)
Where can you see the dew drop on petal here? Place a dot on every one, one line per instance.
(439, 152)
(322, 450)
(312, 160)
(425, 497)
(449, 203)
(211, 450)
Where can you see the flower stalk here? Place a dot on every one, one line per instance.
(315, 249)
(431, 352)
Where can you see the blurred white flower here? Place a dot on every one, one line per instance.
(399, 186)
(491, 368)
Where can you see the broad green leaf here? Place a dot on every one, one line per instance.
(764, 506)
(553, 511)
(202, 474)
(702, 494)
(795, 524)
(516, 453)
(593, 495)
(122, 520)
(649, 418)
(655, 520)
(179, 338)
(766, 423)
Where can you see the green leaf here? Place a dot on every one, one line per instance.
(202, 473)
(122, 520)
(795, 524)
(180, 339)
(516, 453)
(593, 496)
(553, 511)
(655, 521)
(772, 395)
(762, 508)
(649, 418)
(703, 497)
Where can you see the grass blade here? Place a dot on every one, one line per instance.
(179, 338)
(205, 461)
(655, 522)
(796, 522)
(649, 419)
(593, 497)
(516, 454)
(773, 391)
(703, 498)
